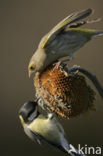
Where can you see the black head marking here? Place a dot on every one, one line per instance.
(27, 109)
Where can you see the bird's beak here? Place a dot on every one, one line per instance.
(21, 120)
(29, 73)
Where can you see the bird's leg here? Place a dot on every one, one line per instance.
(62, 62)
(56, 65)
(65, 61)
(74, 69)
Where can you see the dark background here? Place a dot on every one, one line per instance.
(22, 24)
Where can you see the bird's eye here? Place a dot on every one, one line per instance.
(31, 68)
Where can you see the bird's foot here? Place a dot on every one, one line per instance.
(41, 103)
(57, 65)
(61, 63)
(74, 69)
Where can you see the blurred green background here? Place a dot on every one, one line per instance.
(22, 24)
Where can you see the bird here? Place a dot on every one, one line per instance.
(62, 41)
(66, 95)
(45, 129)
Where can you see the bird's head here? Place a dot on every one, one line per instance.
(32, 68)
(28, 112)
(37, 62)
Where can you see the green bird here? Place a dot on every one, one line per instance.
(63, 40)
(45, 129)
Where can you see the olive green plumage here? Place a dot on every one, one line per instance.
(63, 40)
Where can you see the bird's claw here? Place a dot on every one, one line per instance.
(56, 65)
(74, 69)
(41, 103)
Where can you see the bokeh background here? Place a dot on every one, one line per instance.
(22, 24)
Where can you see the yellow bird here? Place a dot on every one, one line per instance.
(45, 129)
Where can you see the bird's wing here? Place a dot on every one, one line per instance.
(59, 126)
(41, 140)
(74, 17)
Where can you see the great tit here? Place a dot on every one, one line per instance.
(45, 129)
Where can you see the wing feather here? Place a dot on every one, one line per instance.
(41, 140)
(74, 17)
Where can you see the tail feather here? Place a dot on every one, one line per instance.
(98, 33)
(73, 151)
(74, 17)
(70, 149)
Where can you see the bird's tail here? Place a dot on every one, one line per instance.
(74, 152)
(70, 149)
(97, 33)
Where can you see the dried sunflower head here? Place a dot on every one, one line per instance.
(67, 95)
